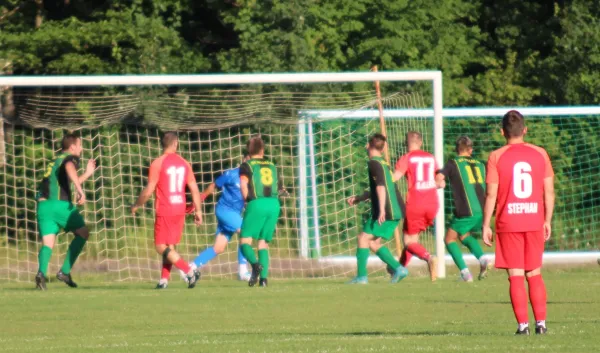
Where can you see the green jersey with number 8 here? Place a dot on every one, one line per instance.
(262, 178)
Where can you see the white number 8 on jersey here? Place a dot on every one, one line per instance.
(522, 181)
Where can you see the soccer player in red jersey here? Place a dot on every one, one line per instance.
(422, 199)
(520, 185)
(168, 176)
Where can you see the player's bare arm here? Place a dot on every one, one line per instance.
(440, 181)
(190, 207)
(281, 190)
(145, 195)
(244, 186)
(488, 210)
(548, 206)
(397, 175)
(381, 196)
(196, 198)
(89, 171)
(72, 174)
(208, 191)
(354, 200)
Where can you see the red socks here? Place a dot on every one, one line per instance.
(419, 251)
(413, 249)
(405, 257)
(537, 296)
(182, 265)
(166, 270)
(518, 298)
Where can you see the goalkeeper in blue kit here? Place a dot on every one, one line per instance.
(229, 219)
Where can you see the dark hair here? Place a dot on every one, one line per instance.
(255, 145)
(414, 135)
(168, 139)
(463, 143)
(377, 141)
(513, 124)
(69, 140)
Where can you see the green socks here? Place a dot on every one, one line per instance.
(386, 256)
(248, 253)
(456, 254)
(473, 246)
(362, 256)
(263, 258)
(44, 259)
(72, 254)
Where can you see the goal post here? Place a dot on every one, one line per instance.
(218, 141)
(316, 126)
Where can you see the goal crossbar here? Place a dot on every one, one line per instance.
(265, 78)
(218, 79)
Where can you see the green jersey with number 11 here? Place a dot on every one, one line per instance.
(467, 180)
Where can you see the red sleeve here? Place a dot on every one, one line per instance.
(492, 169)
(154, 172)
(402, 164)
(549, 172)
(191, 178)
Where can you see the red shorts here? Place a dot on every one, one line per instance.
(523, 250)
(418, 220)
(168, 229)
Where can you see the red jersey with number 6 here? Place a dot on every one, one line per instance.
(172, 173)
(519, 170)
(419, 168)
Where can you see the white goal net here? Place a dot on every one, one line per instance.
(315, 136)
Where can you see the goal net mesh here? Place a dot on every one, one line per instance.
(121, 128)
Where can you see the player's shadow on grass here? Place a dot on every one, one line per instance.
(505, 302)
(374, 333)
(410, 333)
(381, 333)
(466, 302)
(64, 288)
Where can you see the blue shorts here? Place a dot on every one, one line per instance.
(228, 221)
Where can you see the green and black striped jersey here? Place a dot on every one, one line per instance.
(56, 184)
(467, 181)
(380, 175)
(262, 178)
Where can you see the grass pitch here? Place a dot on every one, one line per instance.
(297, 316)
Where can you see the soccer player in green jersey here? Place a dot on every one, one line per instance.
(387, 209)
(260, 186)
(467, 180)
(55, 210)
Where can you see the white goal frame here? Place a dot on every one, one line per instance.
(271, 78)
(550, 257)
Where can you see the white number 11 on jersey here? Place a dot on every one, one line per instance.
(176, 179)
(425, 175)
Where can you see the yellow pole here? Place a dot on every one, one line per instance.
(386, 153)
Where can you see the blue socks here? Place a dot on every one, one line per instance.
(205, 257)
(210, 254)
(241, 259)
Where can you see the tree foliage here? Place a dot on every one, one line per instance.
(500, 53)
(512, 52)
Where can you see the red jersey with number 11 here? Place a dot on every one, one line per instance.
(172, 173)
(419, 168)
(519, 170)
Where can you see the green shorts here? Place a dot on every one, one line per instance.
(260, 219)
(52, 216)
(464, 225)
(385, 230)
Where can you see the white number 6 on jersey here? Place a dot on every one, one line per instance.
(522, 181)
